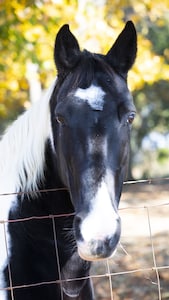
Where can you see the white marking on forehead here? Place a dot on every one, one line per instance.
(93, 95)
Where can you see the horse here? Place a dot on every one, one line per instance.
(62, 167)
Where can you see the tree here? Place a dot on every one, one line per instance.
(27, 33)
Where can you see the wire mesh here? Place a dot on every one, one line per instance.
(106, 271)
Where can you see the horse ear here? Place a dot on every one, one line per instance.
(66, 51)
(123, 52)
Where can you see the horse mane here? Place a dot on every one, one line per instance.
(22, 148)
(85, 72)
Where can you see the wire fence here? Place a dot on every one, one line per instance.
(104, 273)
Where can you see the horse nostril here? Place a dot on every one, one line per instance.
(98, 248)
(104, 248)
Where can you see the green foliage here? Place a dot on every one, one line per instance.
(158, 33)
(27, 33)
(163, 155)
(152, 109)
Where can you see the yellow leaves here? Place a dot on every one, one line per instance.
(3, 111)
(19, 8)
(51, 10)
(13, 84)
(165, 71)
(34, 33)
(21, 11)
(134, 80)
(28, 29)
(149, 67)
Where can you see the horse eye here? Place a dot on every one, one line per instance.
(131, 118)
(60, 119)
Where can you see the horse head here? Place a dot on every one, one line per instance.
(92, 112)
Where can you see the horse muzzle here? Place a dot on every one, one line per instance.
(98, 245)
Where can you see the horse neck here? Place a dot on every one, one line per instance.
(54, 194)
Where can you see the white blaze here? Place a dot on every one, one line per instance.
(93, 95)
(102, 220)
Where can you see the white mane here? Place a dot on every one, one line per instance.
(22, 148)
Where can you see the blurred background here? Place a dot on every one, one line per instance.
(27, 33)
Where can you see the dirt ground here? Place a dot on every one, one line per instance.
(140, 267)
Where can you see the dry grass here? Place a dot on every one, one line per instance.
(144, 210)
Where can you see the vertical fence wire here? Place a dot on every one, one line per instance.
(57, 255)
(110, 279)
(9, 267)
(154, 256)
(108, 273)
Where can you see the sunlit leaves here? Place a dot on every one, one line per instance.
(28, 29)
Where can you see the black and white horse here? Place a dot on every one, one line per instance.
(74, 144)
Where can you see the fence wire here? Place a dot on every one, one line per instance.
(108, 273)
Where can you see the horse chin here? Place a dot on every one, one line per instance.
(70, 294)
(87, 255)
